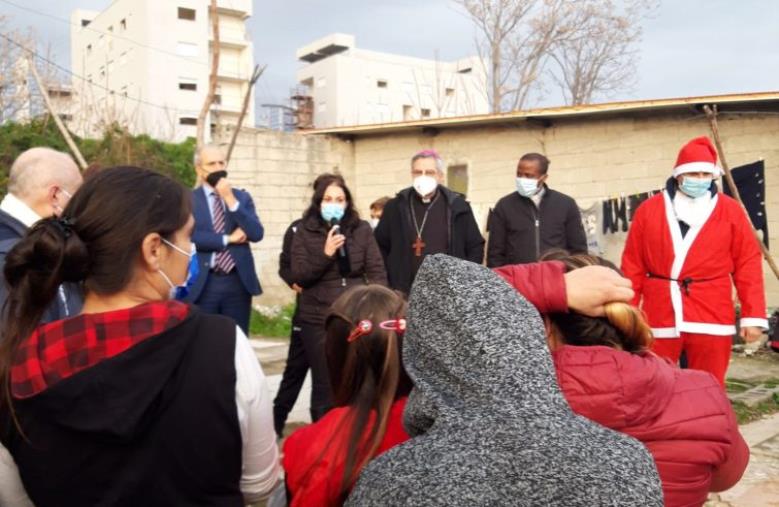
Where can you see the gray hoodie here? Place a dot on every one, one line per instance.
(490, 424)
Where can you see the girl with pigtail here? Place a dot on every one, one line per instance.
(364, 332)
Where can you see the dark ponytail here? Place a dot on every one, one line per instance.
(96, 243)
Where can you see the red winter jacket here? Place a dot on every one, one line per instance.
(324, 439)
(682, 416)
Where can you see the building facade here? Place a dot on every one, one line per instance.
(597, 152)
(352, 86)
(145, 64)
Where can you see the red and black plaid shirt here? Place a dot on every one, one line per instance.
(57, 350)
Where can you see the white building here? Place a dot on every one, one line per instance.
(351, 86)
(146, 64)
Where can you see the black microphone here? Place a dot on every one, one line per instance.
(334, 222)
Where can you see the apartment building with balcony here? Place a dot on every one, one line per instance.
(145, 64)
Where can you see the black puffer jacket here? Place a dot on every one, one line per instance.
(319, 274)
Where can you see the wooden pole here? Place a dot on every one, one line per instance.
(61, 126)
(212, 78)
(255, 76)
(711, 114)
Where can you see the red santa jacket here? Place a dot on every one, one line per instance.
(685, 283)
(683, 417)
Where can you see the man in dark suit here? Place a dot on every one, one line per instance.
(40, 184)
(226, 222)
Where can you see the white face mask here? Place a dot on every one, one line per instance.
(527, 186)
(425, 185)
(374, 222)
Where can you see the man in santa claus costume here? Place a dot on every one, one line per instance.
(685, 249)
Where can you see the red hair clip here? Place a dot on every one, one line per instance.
(364, 327)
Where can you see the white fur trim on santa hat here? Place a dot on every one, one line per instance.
(697, 167)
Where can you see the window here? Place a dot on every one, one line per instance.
(123, 24)
(188, 83)
(124, 91)
(381, 83)
(457, 178)
(85, 22)
(217, 99)
(186, 120)
(188, 14)
(408, 110)
(111, 28)
(186, 49)
(425, 113)
(450, 92)
(465, 71)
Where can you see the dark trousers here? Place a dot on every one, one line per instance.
(313, 338)
(292, 379)
(226, 295)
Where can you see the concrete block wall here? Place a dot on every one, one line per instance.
(277, 169)
(591, 159)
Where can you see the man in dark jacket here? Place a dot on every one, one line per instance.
(40, 184)
(424, 219)
(534, 219)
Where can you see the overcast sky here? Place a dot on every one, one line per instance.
(689, 47)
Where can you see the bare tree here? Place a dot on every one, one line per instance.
(591, 39)
(600, 57)
(19, 98)
(212, 77)
(513, 40)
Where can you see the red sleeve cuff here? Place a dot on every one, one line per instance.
(541, 283)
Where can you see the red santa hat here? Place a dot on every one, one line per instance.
(696, 156)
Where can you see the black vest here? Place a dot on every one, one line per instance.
(156, 425)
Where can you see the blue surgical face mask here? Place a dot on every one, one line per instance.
(527, 186)
(331, 211)
(180, 292)
(695, 187)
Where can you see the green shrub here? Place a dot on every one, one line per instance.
(116, 147)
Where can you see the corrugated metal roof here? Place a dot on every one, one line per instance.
(546, 114)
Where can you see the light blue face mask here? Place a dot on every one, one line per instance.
(180, 292)
(331, 211)
(695, 187)
(527, 186)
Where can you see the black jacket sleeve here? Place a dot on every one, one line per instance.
(383, 234)
(496, 248)
(474, 241)
(285, 259)
(575, 237)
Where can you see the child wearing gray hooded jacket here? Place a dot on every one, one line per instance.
(489, 422)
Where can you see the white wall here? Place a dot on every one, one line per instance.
(153, 76)
(346, 92)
